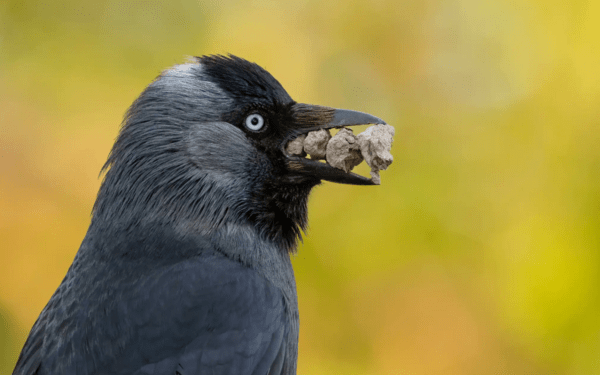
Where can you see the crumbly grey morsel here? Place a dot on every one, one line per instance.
(343, 151)
(296, 146)
(315, 144)
(375, 145)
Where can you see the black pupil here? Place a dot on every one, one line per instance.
(254, 120)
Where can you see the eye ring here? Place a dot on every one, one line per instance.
(255, 122)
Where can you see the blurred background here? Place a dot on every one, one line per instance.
(478, 254)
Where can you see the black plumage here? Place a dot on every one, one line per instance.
(185, 268)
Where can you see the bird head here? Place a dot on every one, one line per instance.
(204, 146)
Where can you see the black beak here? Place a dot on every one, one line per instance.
(310, 117)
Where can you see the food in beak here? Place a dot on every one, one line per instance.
(315, 144)
(375, 145)
(296, 146)
(345, 150)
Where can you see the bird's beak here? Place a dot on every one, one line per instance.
(307, 118)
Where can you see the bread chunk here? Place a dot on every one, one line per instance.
(315, 144)
(343, 151)
(375, 145)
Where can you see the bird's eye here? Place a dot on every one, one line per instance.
(255, 122)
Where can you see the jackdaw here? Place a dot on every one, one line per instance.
(185, 268)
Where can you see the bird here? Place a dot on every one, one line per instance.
(186, 265)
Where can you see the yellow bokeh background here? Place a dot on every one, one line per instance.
(478, 254)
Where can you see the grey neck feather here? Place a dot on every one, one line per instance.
(173, 160)
(262, 255)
